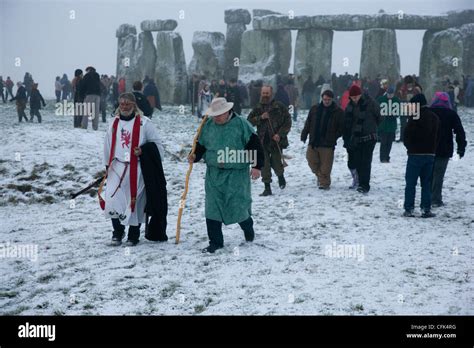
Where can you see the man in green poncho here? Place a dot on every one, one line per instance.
(228, 144)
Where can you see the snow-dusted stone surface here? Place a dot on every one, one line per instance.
(158, 25)
(441, 55)
(313, 55)
(264, 55)
(380, 54)
(237, 15)
(409, 266)
(126, 54)
(208, 58)
(170, 69)
(145, 56)
(361, 22)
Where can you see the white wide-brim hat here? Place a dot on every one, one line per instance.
(218, 107)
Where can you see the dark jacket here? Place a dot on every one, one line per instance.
(151, 90)
(156, 194)
(36, 100)
(282, 96)
(421, 135)
(324, 125)
(389, 122)
(278, 123)
(233, 96)
(20, 94)
(90, 84)
(361, 121)
(449, 123)
(143, 103)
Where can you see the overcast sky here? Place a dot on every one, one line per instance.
(45, 38)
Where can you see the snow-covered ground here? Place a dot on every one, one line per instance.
(402, 265)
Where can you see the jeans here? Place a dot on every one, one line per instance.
(386, 140)
(119, 230)
(439, 169)
(418, 166)
(58, 96)
(216, 238)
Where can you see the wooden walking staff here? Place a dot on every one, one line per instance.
(186, 185)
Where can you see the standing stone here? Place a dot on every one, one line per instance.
(264, 55)
(441, 55)
(145, 55)
(313, 56)
(158, 25)
(467, 32)
(208, 58)
(170, 69)
(126, 46)
(379, 55)
(236, 21)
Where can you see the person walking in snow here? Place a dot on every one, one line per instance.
(21, 99)
(362, 117)
(90, 92)
(273, 122)
(132, 156)
(449, 123)
(324, 125)
(227, 182)
(420, 139)
(36, 100)
(204, 101)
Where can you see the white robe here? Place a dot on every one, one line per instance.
(118, 206)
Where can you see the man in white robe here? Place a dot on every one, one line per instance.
(119, 191)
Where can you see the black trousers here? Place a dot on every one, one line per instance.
(362, 161)
(216, 238)
(119, 230)
(386, 140)
(33, 113)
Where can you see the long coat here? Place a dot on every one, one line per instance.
(227, 183)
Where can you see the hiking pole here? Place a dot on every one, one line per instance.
(186, 185)
(95, 183)
(283, 162)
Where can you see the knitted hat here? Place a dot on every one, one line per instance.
(355, 91)
(128, 96)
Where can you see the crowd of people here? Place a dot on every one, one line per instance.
(345, 107)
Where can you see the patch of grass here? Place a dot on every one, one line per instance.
(53, 182)
(88, 306)
(46, 199)
(3, 171)
(17, 311)
(21, 172)
(358, 307)
(199, 309)
(46, 278)
(33, 176)
(22, 188)
(169, 290)
(69, 167)
(8, 294)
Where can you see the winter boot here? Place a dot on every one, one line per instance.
(267, 191)
(281, 182)
(355, 179)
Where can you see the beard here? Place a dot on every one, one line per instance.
(265, 100)
(126, 113)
